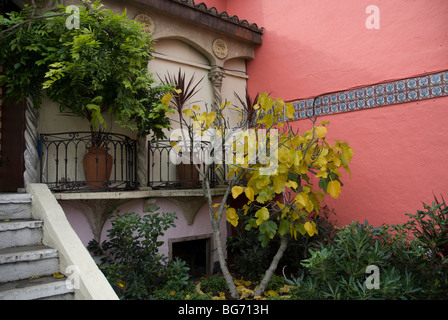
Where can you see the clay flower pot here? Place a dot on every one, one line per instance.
(97, 167)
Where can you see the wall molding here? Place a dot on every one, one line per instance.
(411, 89)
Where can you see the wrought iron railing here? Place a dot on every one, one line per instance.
(172, 165)
(68, 162)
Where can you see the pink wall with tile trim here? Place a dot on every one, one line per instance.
(314, 47)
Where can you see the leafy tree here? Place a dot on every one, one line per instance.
(272, 164)
(99, 67)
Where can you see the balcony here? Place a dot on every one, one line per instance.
(172, 167)
(65, 159)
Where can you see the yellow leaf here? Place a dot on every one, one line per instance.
(302, 198)
(310, 228)
(306, 189)
(279, 183)
(58, 275)
(197, 108)
(289, 112)
(284, 156)
(166, 98)
(188, 112)
(268, 120)
(232, 217)
(271, 293)
(249, 192)
(334, 188)
(347, 152)
(303, 167)
(262, 215)
(292, 184)
(285, 289)
(236, 191)
(210, 118)
(320, 132)
(198, 289)
(225, 105)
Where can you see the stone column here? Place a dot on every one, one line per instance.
(31, 154)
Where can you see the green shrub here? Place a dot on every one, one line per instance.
(407, 268)
(130, 258)
(214, 283)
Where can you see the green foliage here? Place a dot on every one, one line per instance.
(275, 283)
(407, 270)
(252, 259)
(214, 283)
(176, 283)
(430, 226)
(100, 67)
(130, 257)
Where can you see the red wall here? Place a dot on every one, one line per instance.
(315, 47)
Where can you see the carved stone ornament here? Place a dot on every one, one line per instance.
(220, 48)
(148, 24)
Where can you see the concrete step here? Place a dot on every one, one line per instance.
(14, 233)
(27, 261)
(45, 288)
(15, 206)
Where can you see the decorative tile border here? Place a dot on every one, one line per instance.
(400, 91)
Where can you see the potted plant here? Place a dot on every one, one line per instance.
(97, 162)
(99, 68)
(184, 90)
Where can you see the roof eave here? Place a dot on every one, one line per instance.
(209, 18)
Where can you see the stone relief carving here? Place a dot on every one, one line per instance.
(148, 23)
(216, 75)
(220, 48)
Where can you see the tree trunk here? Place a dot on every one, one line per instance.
(222, 260)
(214, 220)
(267, 277)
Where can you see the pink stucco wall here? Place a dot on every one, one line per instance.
(314, 47)
(200, 227)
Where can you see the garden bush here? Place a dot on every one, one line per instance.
(410, 257)
(130, 259)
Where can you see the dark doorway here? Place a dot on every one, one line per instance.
(12, 164)
(196, 253)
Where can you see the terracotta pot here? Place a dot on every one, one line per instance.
(97, 167)
(188, 175)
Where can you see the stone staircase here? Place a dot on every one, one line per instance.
(27, 267)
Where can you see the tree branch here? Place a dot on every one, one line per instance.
(267, 277)
(29, 20)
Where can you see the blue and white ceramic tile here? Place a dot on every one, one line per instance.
(400, 91)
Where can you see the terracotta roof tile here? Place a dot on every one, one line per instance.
(222, 15)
